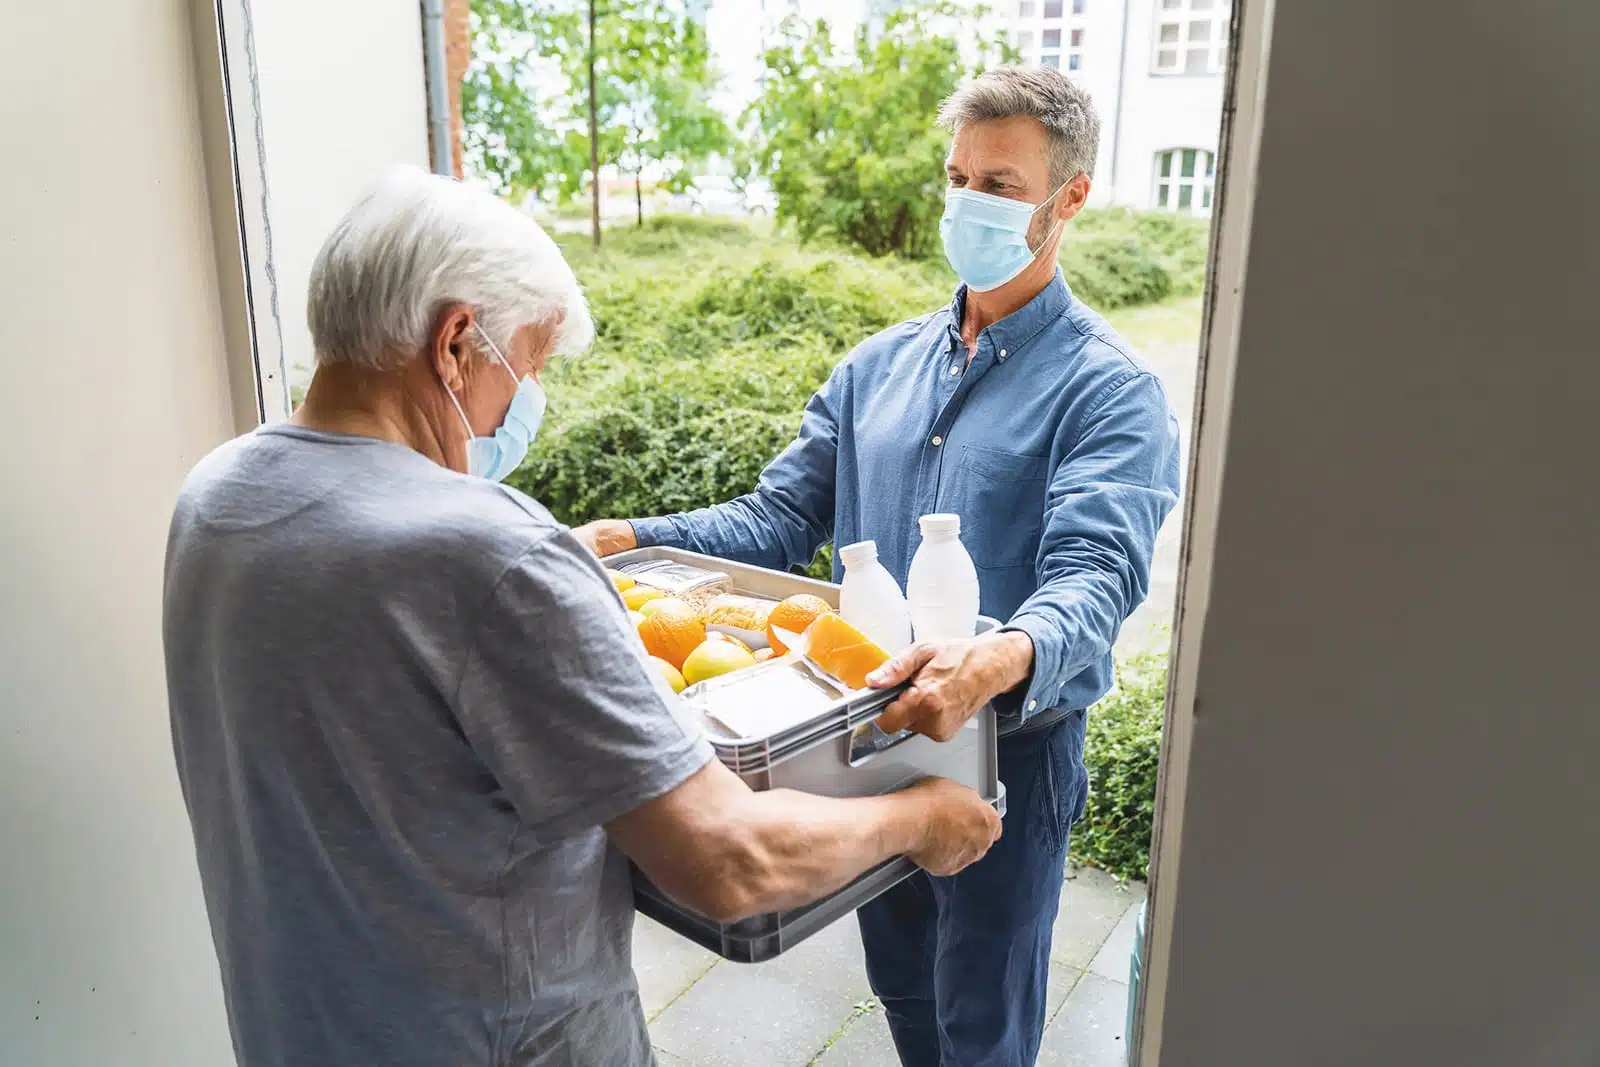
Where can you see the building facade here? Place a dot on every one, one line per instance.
(1155, 71)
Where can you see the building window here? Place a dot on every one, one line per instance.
(1025, 42)
(1077, 7)
(1191, 37)
(1052, 9)
(1026, 9)
(1185, 178)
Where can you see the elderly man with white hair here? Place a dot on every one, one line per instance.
(1021, 410)
(417, 739)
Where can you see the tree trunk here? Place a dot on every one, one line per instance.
(638, 195)
(594, 134)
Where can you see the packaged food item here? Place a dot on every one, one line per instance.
(731, 611)
(763, 700)
(695, 585)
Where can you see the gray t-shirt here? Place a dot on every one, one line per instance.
(404, 702)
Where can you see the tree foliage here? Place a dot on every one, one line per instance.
(526, 97)
(849, 141)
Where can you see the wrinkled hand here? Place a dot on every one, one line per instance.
(951, 680)
(607, 537)
(959, 826)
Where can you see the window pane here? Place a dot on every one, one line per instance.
(1027, 8)
(1077, 7)
(1074, 61)
(1194, 60)
(1052, 38)
(1050, 61)
(1161, 196)
(1205, 198)
(1025, 41)
(1211, 163)
(1166, 59)
(1171, 5)
(1077, 38)
(1200, 30)
(1188, 162)
(1052, 9)
(1185, 197)
(1169, 33)
(1202, 5)
(1166, 164)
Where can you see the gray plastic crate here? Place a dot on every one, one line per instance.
(839, 753)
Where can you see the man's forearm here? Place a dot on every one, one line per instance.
(792, 848)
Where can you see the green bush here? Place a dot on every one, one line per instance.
(1121, 750)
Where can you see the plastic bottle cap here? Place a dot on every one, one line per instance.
(940, 525)
(857, 554)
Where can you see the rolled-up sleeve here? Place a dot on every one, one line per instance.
(788, 516)
(558, 701)
(1105, 504)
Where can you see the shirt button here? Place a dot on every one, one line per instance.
(1033, 705)
(954, 371)
(1002, 353)
(937, 441)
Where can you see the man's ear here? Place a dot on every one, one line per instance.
(1072, 198)
(450, 345)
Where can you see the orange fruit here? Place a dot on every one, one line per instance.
(715, 658)
(639, 596)
(844, 651)
(670, 673)
(795, 614)
(672, 633)
(621, 581)
(718, 635)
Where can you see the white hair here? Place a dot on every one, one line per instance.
(1071, 127)
(417, 243)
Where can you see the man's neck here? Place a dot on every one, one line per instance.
(348, 400)
(982, 310)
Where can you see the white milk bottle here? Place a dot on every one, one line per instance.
(943, 586)
(870, 598)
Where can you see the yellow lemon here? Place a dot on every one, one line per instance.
(639, 596)
(621, 581)
(665, 603)
(670, 673)
(715, 658)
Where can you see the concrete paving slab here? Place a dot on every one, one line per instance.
(1088, 1032)
(865, 1042)
(666, 964)
(1114, 956)
(1092, 903)
(777, 1014)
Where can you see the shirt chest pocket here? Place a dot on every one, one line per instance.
(1000, 498)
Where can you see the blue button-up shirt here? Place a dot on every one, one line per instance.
(1056, 446)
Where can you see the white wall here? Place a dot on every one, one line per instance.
(112, 344)
(343, 94)
(123, 334)
(1388, 850)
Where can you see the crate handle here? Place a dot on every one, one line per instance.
(867, 741)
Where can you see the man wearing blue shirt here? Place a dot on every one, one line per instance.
(1021, 410)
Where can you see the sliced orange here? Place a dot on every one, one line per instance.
(795, 615)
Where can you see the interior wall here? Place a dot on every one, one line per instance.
(343, 94)
(1388, 840)
(112, 340)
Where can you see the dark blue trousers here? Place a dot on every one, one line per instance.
(960, 964)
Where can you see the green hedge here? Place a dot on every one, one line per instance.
(1121, 749)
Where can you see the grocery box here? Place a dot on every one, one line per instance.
(838, 752)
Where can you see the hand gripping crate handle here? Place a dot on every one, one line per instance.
(867, 740)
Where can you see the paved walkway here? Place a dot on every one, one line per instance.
(811, 1007)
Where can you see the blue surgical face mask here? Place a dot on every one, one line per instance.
(986, 236)
(495, 457)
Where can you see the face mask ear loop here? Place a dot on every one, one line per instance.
(497, 354)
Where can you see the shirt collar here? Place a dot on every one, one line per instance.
(1023, 324)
